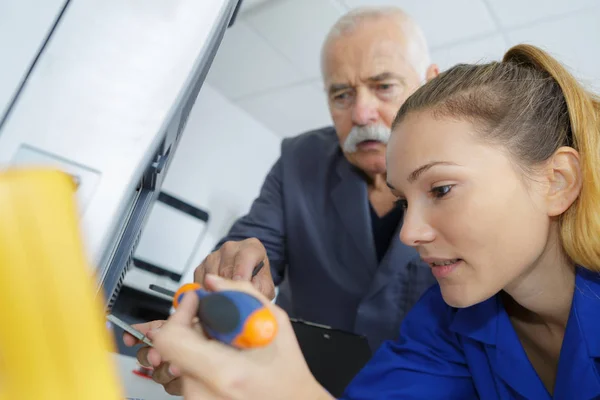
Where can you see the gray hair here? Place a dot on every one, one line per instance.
(418, 51)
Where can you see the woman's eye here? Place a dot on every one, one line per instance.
(441, 191)
(402, 203)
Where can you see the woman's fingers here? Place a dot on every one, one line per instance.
(212, 370)
(186, 311)
(186, 348)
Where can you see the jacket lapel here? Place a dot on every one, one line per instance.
(396, 264)
(351, 202)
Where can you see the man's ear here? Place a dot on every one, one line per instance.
(565, 180)
(432, 71)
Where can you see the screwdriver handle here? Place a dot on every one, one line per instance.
(232, 317)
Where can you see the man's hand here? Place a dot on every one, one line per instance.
(236, 261)
(163, 373)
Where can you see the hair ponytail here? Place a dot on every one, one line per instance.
(580, 224)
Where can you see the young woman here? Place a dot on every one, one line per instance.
(498, 167)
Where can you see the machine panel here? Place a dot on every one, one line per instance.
(106, 100)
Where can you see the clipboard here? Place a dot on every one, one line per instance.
(334, 356)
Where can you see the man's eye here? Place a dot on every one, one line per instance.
(441, 191)
(341, 95)
(342, 99)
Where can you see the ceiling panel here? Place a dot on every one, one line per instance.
(443, 21)
(573, 40)
(246, 64)
(519, 12)
(475, 51)
(297, 29)
(267, 58)
(290, 111)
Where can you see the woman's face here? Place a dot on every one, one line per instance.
(471, 214)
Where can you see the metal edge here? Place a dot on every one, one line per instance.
(111, 276)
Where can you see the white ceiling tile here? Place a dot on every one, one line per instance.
(246, 64)
(572, 40)
(475, 51)
(444, 21)
(319, 85)
(297, 29)
(518, 12)
(290, 111)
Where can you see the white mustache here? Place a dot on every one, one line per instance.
(358, 134)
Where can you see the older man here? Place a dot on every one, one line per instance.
(325, 223)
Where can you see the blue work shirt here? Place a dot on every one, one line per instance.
(448, 353)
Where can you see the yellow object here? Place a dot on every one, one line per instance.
(54, 343)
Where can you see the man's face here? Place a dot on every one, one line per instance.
(367, 79)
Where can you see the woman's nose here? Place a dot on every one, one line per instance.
(415, 230)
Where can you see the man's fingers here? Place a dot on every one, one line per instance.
(199, 273)
(228, 252)
(162, 374)
(142, 356)
(246, 260)
(210, 265)
(264, 284)
(233, 260)
(175, 387)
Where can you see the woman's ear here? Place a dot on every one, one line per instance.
(565, 180)
(432, 71)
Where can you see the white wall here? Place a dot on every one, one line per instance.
(220, 164)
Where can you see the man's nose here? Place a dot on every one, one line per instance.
(365, 109)
(415, 230)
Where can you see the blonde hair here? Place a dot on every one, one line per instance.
(417, 49)
(530, 104)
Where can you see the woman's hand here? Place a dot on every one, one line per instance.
(212, 370)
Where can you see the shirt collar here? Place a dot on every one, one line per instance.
(586, 308)
(480, 321)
